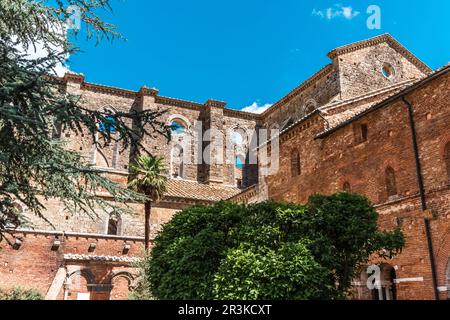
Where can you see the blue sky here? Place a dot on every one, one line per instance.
(248, 51)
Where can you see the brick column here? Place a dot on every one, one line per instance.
(214, 141)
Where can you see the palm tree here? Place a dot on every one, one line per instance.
(149, 179)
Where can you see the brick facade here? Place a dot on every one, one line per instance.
(347, 125)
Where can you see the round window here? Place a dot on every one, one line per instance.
(388, 71)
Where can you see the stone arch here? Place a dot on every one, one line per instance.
(122, 283)
(78, 285)
(241, 134)
(100, 159)
(310, 106)
(182, 120)
(84, 272)
(386, 288)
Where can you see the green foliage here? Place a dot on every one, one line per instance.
(150, 176)
(142, 290)
(267, 250)
(290, 272)
(35, 164)
(345, 233)
(21, 294)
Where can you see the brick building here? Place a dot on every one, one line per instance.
(374, 121)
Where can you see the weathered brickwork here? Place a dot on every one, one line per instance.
(341, 159)
(36, 263)
(347, 129)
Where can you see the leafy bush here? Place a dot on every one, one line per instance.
(21, 294)
(267, 250)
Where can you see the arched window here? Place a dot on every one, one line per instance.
(388, 70)
(447, 159)
(107, 123)
(178, 127)
(100, 159)
(114, 226)
(237, 137)
(310, 107)
(295, 164)
(347, 187)
(177, 170)
(391, 183)
(239, 163)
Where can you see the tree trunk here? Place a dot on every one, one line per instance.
(148, 209)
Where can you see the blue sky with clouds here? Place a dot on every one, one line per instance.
(248, 52)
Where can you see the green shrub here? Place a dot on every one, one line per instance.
(267, 250)
(21, 294)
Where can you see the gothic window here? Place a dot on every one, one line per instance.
(114, 224)
(361, 132)
(447, 159)
(364, 132)
(107, 124)
(177, 162)
(295, 164)
(177, 127)
(100, 159)
(239, 164)
(347, 187)
(310, 107)
(391, 183)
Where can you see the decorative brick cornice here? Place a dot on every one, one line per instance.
(241, 114)
(144, 91)
(377, 40)
(215, 104)
(294, 93)
(108, 90)
(73, 77)
(179, 103)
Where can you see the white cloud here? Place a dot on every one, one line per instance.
(317, 13)
(335, 12)
(41, 52)
(255, 107)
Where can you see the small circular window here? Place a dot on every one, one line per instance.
(388, 70)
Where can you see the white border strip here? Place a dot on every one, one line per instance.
(419, 279)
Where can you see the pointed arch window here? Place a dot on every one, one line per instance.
(346, 187)
(295, 164)
(391, 182)
(114, 226)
